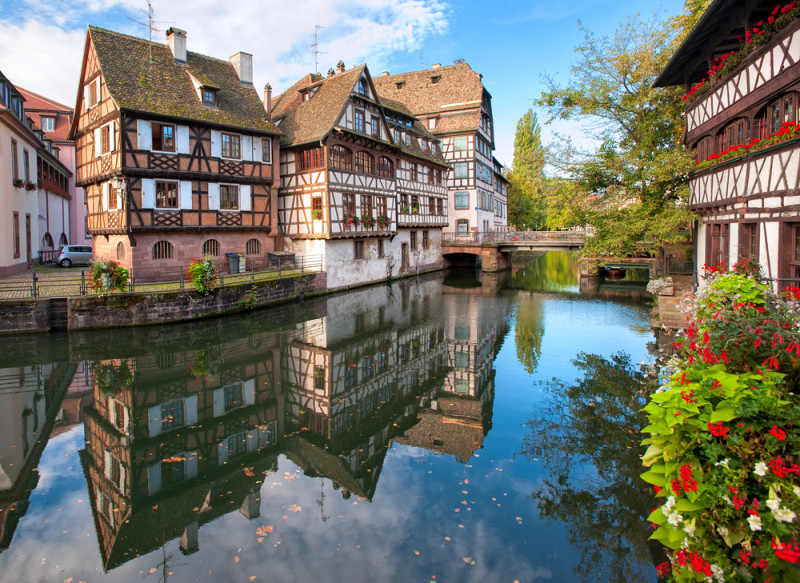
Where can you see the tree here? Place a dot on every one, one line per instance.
(637, 177)
(526, 195)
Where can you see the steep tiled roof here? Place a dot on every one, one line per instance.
(165, 88)
(458, 87)
(466, 121)
(37, 105)
(307, 121)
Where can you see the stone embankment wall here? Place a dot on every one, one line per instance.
(119, 310)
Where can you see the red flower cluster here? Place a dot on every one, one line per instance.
(688, 397)
(783, 469)
(788, 551)
(695, 560)
(718, 429)
(789, 128)
(663, 569)
(778, 433)
(792, 293)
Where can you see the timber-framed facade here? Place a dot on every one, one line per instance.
(746, 187)
(175, 153)
(363, 183)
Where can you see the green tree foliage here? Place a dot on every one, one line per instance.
(526, 195)
(637, 178)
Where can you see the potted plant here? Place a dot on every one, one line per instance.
(19, 183)
(384, 222)
(350, 221)
(316, 215)
(30, 186)
(404, 209)
(367, 222)
(108, 276)
(203, 274)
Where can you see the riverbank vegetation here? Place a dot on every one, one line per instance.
(724, 447)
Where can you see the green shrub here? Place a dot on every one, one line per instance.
(108, 276)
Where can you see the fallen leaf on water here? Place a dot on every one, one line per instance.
(252, 578)
(416, 553)
(236, 559)
(155, 507)
(464, 492)
(464, 502)
(68, 580)
(447, 538)
(264, 530)
(249, 472)
(153, 570)
(460, 526)
(295, 508)
(469, 560)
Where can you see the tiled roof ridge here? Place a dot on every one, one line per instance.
(420, 72)
(59, 105)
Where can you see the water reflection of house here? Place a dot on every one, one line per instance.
(161, 442)
(30, 399)
(354, 379)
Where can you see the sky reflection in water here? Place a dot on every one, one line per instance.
(388, 434)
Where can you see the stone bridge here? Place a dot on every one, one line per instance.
(493, 249)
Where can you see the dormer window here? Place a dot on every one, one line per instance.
(436, 78)
(400, 84)
(48, 124)
(208, 96)
(92, 93)
(305, 95)
(362, 87)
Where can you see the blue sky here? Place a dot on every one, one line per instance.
(513, 43)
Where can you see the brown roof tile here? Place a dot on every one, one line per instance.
(165, 88)
(37, 106)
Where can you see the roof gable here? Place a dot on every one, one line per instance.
(165, 87)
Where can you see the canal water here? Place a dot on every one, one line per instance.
(454, 427)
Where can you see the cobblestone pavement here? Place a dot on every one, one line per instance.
(51, 281)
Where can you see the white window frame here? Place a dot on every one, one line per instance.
(222, 145)
(48, 123)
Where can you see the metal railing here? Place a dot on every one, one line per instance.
(515, 237)
(38, 284)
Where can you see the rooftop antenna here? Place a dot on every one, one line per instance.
(150, 25)
(315, 46)
(421, 62)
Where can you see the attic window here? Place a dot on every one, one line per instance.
(362, 86)
(306, 95)
(435, 78)
(400, 84)
(208, 95)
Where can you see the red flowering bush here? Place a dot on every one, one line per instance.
(724, 445)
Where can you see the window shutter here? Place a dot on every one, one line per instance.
(144, 130)
(218, 397)
(213, 196)
(183, 144)
(112, 136)
(106, 195)
(149, 198)
(252, 440)
(222, 452)
(185, 194)
(107, 464)
(190, 405)
(85, 98)
(154, 420)
(249, 391)
(244, 197)
(247, 148)
(154, 478)
(258, 151)
(216, 144)
(98, 143)
(190, 467)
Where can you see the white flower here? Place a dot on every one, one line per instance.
(724, 462)
(723, 531)
(773, 504)
(796, 490)
(689, 528)
(675, 519)
(668, 505)
(718, 573)
(761, 470)
(783, 515)
(754, 521)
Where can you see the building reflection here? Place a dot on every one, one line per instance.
(181, 426)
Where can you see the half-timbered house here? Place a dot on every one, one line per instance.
(452, 103)
(740, 66)
(362, 181)
(175, 152)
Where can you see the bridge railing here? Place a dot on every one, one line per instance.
(513, 237)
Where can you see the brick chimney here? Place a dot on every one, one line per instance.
(331, 73)
(436, 65)
(386, 73)
(340, 67)
(243, 63)
(176, 39)
(268, 99)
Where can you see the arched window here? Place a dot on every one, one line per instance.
(47, 241)
(340, 157)
(120, 251)
(734, 134)
(777, 113)
(162, 250)
(365, 162)
(703, 149)
(385, 167)
(253, 247)
(63, 239)
(211, 247)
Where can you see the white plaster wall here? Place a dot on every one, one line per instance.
(769, 237)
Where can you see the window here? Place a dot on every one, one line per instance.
(167, 195)
(438, 178)
(358, 249)
(120, 251)
(430, 175)
(385, 167)
(211, 247)
(252, 247)
(359, 121)
(349, 204)
(26, 165)
(14, 165)
(172, 414)
(340, 158)
(460, 143)
(365, 163)
(319, 377)
(461, 170)
(234, 397)
(381, 252)
(105, 139)
(404, 203)
(228, 197)
(793, 260)
(414, 203)
(734, 134)
(172, 470)
(440, 206)
(407, 139)
(462, 200)
(366, 205)
(362, 87)
(162, 250)
(15, 234)
(462, 226)
(414, 173)
(237, 444)
(208, 96)
(413, 240)
(777, 113)
(309, 158)
(376, 129)
(717, 244)
(380, 204)
(432, 123)
(396, 136)
(316, 204)
(92, 93)
(431, 205)
(48, 124)
(703, 149)
(231, 146)
(425, 242)
(266, 150)
(748, 241)
(163, 137)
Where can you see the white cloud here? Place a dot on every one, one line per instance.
(42, 44)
